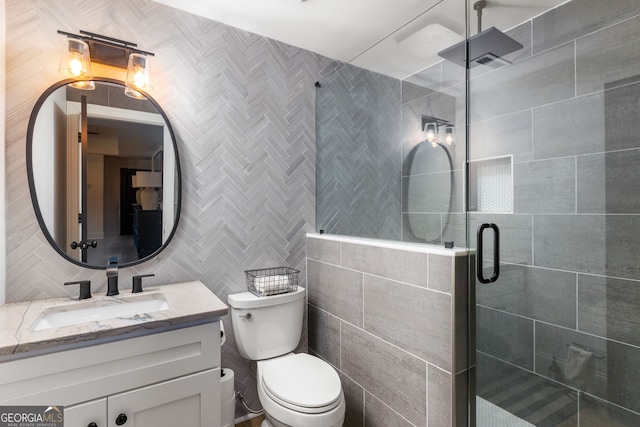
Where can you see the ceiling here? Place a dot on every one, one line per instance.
(392, 37)
(121, 138)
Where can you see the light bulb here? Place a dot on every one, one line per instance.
(139, 79)
(448, 135)
(75, 65)
(137, 76)
(431, 130)
(75, 59)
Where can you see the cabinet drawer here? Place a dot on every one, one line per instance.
(83, 374)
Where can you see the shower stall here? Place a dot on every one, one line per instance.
(532, 162)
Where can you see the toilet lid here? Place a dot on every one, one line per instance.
(302, 382)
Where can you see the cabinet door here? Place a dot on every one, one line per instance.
(83, 414)
(190, 401)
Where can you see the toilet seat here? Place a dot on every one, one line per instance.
(301, 382)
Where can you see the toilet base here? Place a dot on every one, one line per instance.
(271, 422)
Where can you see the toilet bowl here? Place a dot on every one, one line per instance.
(300, 390)
(295, 390)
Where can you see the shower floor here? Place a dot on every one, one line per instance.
(490, 415)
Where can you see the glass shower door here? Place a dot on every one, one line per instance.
(553, 164)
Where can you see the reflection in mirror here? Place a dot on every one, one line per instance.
(428, 192)
(89, 153)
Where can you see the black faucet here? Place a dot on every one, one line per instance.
(137, 283)
(85, 288)
(112, 276)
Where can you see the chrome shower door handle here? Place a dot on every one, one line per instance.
(496, 253)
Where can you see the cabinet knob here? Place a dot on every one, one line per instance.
(92, 424)
(121, 419)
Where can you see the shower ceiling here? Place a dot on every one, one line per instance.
(392, 37)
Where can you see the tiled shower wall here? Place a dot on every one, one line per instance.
(432, 175)
(392, 319)
(567, 112)
(358, 188)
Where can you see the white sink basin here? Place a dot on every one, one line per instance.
(95, 310)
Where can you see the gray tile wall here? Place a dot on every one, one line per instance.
(570, 278)
(358, 188)
(393, 322)
(566, 110)
(432, 176)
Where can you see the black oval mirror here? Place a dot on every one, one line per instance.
(104, 174)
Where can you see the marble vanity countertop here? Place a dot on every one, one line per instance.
(22, 331)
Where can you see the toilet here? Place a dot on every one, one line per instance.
(295, 390)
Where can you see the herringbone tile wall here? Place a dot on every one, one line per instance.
(359, 167)
(243, 110)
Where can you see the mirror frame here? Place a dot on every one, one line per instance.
(32, 187)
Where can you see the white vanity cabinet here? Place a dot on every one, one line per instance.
(167, 378)
(185, 401)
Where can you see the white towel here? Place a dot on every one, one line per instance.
(271, 285)
(580, 367)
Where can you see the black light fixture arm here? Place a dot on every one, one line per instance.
(107, 50)
(87, 37)
(437, 121)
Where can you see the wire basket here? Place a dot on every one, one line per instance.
(272, 281)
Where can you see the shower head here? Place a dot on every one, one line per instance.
(485, 48)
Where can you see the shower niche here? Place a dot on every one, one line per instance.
(491, 185)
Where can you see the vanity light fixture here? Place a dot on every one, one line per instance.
(431, 131)
(137, 76)
(449, 136)
(75, 63)
(81, 49)
(432, 127)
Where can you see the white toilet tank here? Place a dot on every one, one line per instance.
(266, 327)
